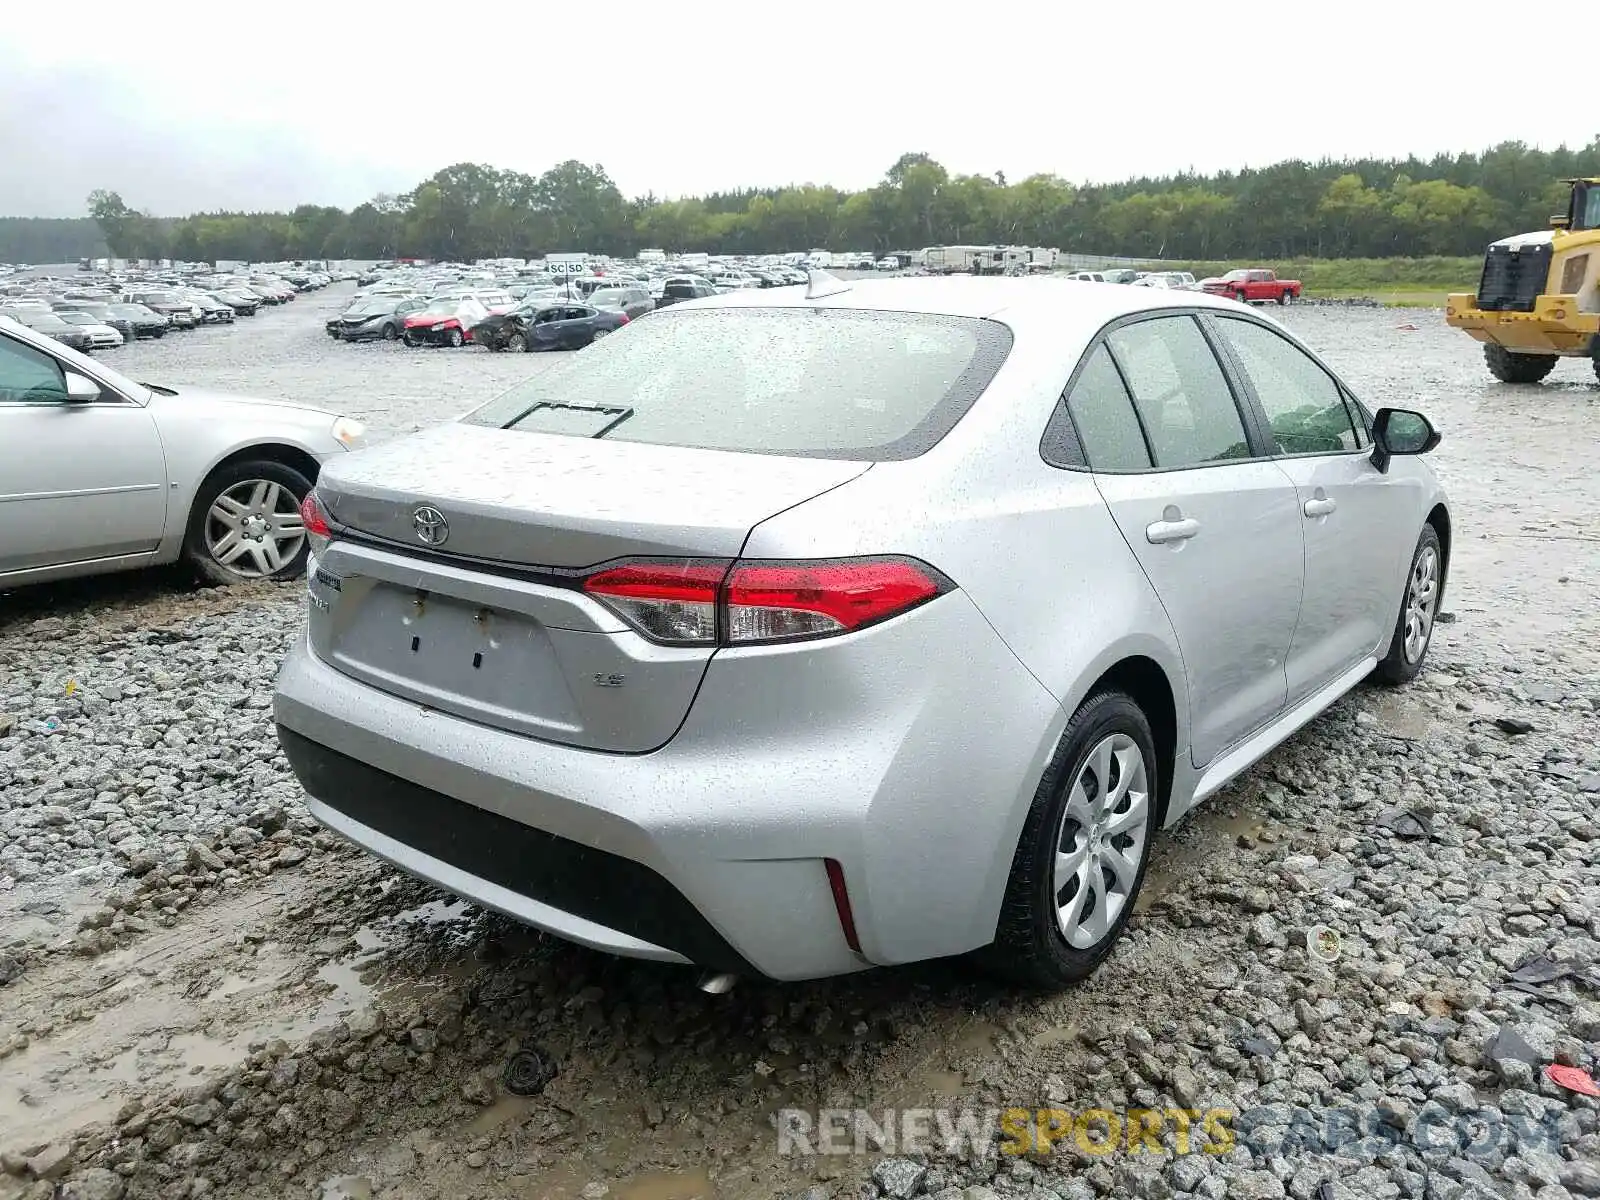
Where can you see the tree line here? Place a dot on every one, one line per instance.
(1450, 204)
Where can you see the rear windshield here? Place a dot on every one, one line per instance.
(814, 383)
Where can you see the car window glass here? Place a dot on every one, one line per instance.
(29, 376)
(1182, 396)
(1304, 407)
(1102, 411)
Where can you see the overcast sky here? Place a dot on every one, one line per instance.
(182, 107)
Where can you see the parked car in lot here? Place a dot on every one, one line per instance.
(548, 325)
(1253, 285)
(51, 325)
(180, 314)
(101, 336)
(442, 322)
(99, 473)
(212, 310)
(634, 301)
(146, 321)
(799, 631)
(679, 288)
(243, 303)
(374, 318)
(99, 312)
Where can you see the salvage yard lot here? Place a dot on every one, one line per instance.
(196, 985)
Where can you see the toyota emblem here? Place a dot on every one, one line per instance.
(430, 526)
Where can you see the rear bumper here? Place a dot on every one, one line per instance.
(908, 753)
(576, 891)
(1555, 326)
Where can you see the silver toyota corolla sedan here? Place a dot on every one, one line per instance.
(797, 631)
(99, 473)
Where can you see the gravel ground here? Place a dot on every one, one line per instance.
(1366, 951)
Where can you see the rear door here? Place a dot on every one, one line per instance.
(576, 326)
(1357, 536)
(79, 481)
(1214, 524)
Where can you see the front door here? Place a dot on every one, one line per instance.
(1216, 529)
(79, 480)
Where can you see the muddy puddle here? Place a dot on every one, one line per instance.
(187, 1003)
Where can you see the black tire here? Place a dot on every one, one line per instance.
(1241, 297)
(516, 343)
(1400, 665)
(390, 333)
(1028, 947)
(1285, 296)
(197, 553)
(411, 341)
(456, 339)
(1510, 367)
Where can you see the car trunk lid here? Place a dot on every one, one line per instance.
(489, 620)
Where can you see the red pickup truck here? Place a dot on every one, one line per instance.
(1253, 286)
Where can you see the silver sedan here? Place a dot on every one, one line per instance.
(797, 631)
(99, 473)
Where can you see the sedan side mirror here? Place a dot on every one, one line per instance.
(1400, 431)
(80, 389)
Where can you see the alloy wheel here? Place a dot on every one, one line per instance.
(1101, 841)
(253, 528)
(1422, 593)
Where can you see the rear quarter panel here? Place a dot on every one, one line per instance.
(1036, 551)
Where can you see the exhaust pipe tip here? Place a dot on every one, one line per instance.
(717, 985)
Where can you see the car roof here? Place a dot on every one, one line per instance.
(990, 297)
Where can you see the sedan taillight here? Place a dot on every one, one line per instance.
(688, 602)
(318, 532)
(671, 602)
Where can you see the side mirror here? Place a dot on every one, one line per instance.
(1400, 431)
(80, 389)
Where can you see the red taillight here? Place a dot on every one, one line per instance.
(690, 602)
(769, 602)
(316, 524)
(624, 317)
(674, 602)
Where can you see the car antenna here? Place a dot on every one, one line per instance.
(821, 284)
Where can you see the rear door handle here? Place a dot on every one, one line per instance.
(1319, 506)
(1162, 532)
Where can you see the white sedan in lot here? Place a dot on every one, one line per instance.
(99, 473)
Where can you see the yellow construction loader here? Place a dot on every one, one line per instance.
(1539, 298)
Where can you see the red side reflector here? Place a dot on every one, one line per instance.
(841, 902)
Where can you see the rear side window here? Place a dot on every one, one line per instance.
(1183, 398)
(1304, 406)
(815, 383)
(1102, 411)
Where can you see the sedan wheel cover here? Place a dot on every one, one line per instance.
(1101, 841)
(1422, 594)
(253, 529)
